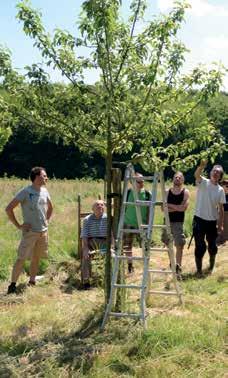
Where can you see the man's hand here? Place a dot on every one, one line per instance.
(220, 229)
(25, 227)
(203, 163)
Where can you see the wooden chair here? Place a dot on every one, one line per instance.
(80, 215)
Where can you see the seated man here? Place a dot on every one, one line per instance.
(94, 233)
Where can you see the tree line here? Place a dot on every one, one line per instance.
(26, 147)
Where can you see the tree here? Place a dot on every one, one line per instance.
(140, 97)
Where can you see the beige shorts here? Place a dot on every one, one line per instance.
(33, 244)
(177, 232)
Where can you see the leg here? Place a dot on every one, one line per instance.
(127, 248)
(24, 252)
(179, 254)
(86, 270)
(179, 241)
(17, 269)
(34, 266)
(39, 250)
(177, 229)
(211, 237)
(200, 245)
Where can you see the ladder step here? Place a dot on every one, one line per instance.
(160, 271)
(159, 226)
(125, 314)
(146, 178)
(159, 249)
(158, 292)
(143, 203)
(129, 286)
(131, 230)
(129, 257)
(143, 226)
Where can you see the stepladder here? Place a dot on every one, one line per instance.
(145, 230)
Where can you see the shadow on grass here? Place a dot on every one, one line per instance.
(193, 276)
(75, 351)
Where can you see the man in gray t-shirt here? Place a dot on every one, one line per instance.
(209, 214)
(37, 209)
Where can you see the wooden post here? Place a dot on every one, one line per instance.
(116, 185)
(79, 228)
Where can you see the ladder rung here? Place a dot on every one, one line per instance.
(159, 226)
(128, 257)
(143, 203)
(131, 230)
(160, 271)
(163, 292)
(146, 178)
(125, 314)
(159, 249)
(129, 286)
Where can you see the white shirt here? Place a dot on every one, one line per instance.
(209, 197)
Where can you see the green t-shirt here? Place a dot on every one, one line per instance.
(130, 214)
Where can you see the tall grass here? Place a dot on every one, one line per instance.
(63, 226)
(52, 330)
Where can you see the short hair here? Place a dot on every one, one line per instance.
(35, 171)
(178, 173)
(139, 177)
(218, 166)
(97, 202)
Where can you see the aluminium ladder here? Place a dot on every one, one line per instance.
(145, 232)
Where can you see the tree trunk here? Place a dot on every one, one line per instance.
(108, 263)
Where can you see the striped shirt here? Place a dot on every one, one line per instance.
(94, 227)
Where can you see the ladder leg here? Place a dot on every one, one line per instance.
(146, 251)
(173, 268)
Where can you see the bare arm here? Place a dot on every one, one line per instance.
(183, 206)
(10, 212)
(199, 170)
(221, 218)
(49, 209)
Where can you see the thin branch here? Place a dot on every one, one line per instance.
(129, 43)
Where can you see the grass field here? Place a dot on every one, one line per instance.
(52, 330)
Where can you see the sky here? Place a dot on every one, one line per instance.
(205, 31)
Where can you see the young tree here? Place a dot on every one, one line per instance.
(141, 96)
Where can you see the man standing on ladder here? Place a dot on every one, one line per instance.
(178, 201)
(130, 219)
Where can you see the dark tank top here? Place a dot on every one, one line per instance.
(176, 199)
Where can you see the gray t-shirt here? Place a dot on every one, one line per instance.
(209, 196)
(34, 206)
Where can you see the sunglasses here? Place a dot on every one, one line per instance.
(140, 182)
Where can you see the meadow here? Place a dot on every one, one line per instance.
(52, 330)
